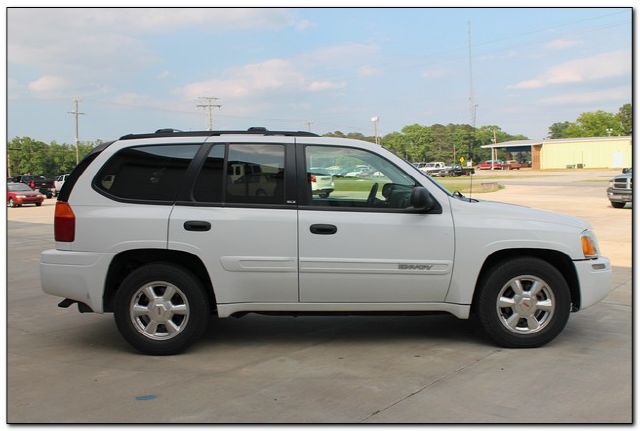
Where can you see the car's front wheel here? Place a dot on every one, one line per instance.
(618, 204)
(523, 302)
(161, 309)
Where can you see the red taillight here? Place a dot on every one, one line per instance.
(313, 178)
(64, 222)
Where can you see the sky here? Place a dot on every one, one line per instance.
(318, 69)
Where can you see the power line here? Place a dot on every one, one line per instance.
(209, 105)
(76, 113)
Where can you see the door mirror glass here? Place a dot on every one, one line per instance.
(421, 199)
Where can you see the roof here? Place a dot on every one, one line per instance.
(530, 142)
(173, 133)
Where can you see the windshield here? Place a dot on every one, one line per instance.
(18, 188)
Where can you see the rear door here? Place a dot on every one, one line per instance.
(239, 216)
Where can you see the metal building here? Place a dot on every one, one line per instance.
(599, 152)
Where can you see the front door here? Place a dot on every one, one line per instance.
(363, 243)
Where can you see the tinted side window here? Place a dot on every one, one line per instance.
(150, 172)
(208, 187)
(353, 178)
(255, 174)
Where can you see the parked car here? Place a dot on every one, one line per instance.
(488, 164)
(37, 182)
(321, 184)
(512, 164)
(456, 171)
(58, 183)
(360, 171)
(145, 228)
(620, 189)
(19, 194)
(433, 168)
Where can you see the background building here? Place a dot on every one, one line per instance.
(568, 153)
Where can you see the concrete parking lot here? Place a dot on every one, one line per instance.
(64, 366)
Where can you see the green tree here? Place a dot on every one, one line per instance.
(557, 130)
(598, 123)
(625, 117)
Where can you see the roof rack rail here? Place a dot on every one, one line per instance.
(168, 132)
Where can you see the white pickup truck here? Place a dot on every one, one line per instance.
(433, 167)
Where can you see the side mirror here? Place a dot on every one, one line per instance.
(421, 199)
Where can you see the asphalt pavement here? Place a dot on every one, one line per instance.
(65, 367)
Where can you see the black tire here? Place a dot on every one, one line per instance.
(189, 291)
(38, 204)
(618, 204)
(11, 203)
(528, 270)
(324, 194)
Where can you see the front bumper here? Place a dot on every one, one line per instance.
(75, 275)
(619, 195)
(594, 277)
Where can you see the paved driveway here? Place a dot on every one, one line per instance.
(64, 366)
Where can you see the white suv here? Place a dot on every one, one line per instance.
(168, 228)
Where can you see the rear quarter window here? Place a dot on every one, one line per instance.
(145, 173)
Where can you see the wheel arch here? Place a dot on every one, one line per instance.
(559, 260)
(125, 262)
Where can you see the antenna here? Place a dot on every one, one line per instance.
(472, 105)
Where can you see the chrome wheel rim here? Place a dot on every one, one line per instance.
(159, 310)
(525, 305)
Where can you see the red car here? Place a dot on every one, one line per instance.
(497, 164)
(19, 194)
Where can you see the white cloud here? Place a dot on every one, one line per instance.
(47, 86)
(325, 85)
(607, 65)
(304, 24)
(367, 70)
(295, 75)
(88, 45)
(612, 94)
(562, 43)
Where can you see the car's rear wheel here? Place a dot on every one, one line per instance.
(161, 309)
(618, 204)
(38, 204)
(523, 302)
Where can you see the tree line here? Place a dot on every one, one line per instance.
(413, 142)
(598, 123)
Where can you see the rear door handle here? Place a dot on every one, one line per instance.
(323, 229)
(197, 225)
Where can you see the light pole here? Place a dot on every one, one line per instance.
(375, 120)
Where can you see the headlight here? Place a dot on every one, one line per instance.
(590, 247)
(611, 183)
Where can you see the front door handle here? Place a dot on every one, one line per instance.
(323, 229)
(197, 225)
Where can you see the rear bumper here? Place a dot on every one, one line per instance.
(25, 201)
(594, 277)
(75, 275)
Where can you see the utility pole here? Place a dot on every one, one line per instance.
(209, 105)
(493, 155)
(75, 112)
(375, 121)
(308, 123)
